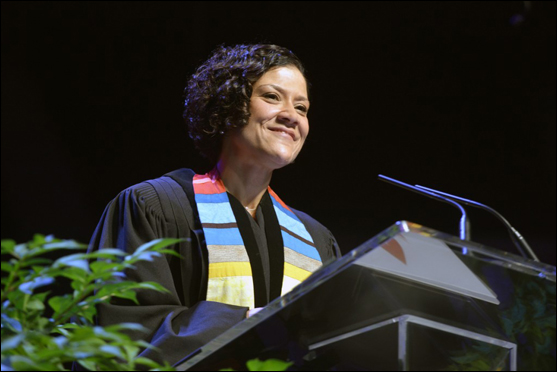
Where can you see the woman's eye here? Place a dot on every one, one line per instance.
(302, 108)
(271, 96)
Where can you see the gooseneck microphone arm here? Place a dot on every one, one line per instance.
(464, 230)
(516, 237)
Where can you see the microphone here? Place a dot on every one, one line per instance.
(464, 226)
(516, 237)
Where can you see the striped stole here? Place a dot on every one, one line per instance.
(230, 275)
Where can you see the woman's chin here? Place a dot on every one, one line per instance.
(275, 158)
(284, 160)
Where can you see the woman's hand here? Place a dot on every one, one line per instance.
(251, 312)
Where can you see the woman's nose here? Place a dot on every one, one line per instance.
(288, 115)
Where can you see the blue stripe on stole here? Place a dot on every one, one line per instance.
(279, 206)
(212, 198)
(215, 212)
(292, 223)
(223, 236)
(299, 246)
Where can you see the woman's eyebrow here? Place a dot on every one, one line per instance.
(299, 98)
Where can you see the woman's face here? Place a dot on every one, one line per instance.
(278, 124)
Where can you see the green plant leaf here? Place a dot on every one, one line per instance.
(23, 363)
(35, 304)
(103, 266)
(10, 323)
(268, 365)
(74, 273)
(40, 239)
(7, 267)
(39, 249)
(12, 342)
(152, 285)
(147, 256)
(107, 253)
(106, 335)
(157, 244)
(16, 299)
(131, 352)
(89, 314)
(89, 365)
(8, 246)
(29, 287)
(35, 261)
(20, 250)
(129, 295)
(112, 350)
(60, 303)
(171, 252)
(66, 244)
(78, 286)
(148, 362)
(126, 326)
(546, 321)
(74, 260)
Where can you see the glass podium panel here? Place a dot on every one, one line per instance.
(411, 298)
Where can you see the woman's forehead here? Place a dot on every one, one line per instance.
(287, 78)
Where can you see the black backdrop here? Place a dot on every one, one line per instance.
(455, 96)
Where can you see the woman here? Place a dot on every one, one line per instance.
(246, 108)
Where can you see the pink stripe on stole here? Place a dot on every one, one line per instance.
(203, 184)
(278, 199)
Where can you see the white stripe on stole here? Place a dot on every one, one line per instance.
(288, 284)
(202, 180)
(237, 290)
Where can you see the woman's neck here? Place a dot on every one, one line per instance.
(246, 182)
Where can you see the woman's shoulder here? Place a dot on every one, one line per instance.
(309, 221)
(323, 238)
(182, 177)
(167, 192)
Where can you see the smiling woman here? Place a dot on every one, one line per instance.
(246, 109)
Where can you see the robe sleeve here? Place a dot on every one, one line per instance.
(177, 326)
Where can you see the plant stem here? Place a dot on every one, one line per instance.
(62, 317)
(8, 288)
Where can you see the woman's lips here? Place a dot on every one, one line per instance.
(285, 132)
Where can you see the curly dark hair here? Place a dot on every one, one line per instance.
(217, 96)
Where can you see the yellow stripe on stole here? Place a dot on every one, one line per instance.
(227, 269)
(232, 289)
(295, 272)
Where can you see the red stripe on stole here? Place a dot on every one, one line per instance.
(278, 199)
(208, 187)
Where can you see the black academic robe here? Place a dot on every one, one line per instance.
(181, 321)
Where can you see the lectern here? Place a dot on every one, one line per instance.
(410, 298)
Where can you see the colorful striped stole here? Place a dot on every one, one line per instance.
(230, 275)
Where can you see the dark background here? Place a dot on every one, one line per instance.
(458, 96)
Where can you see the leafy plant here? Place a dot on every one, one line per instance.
(527, 318)
(33, 341)
(265, 365)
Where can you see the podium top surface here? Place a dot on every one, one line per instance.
(462, 248)
(481, 252)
